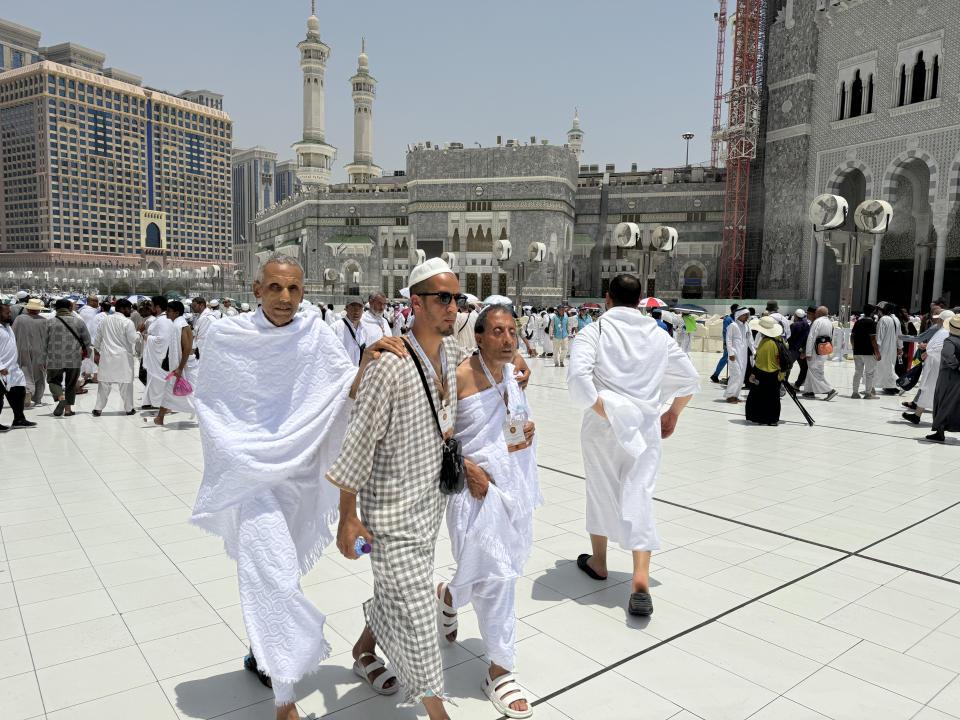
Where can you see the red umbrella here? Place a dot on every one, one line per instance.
(652, 302)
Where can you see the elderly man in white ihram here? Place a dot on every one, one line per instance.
(736, 338)
(622, 428)
(272, 398)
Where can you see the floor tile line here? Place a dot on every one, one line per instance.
(682, 633)
(853, 553)
(104, 586)
(23, 626)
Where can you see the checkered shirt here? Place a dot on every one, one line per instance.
(391, 458)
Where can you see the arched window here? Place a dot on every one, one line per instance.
(843, 101)
(856, 96)
(153, 236)
(919, 79)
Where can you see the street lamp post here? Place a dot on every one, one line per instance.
(688, 136)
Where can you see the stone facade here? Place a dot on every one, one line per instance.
(893, 137)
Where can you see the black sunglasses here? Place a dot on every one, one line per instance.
(445, 298)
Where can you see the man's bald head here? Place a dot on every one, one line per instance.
(822, 311)
(93, 300)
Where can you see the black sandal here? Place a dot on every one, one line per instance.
(582, 564)
(250, 663)
(641, 604)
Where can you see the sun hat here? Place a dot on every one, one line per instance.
(944, 315)
(953, 325)
(353, 300)
(35, 304)
(427, 269)
(767, 326)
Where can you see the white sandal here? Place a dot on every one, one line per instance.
(505, 690)
(364, 672)
(446, 623)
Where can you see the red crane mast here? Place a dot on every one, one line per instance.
(741, 136)
(716, 139)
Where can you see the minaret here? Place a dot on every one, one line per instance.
(575, 135)
(314, 156)
(364, 86)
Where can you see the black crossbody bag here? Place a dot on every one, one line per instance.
(452, 470)
(354, 336)
(84, 353)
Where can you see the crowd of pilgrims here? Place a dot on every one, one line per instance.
(290, 392)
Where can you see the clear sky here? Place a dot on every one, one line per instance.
(641, 71)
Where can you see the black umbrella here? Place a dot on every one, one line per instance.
(793, 394)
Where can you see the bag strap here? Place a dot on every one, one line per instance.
(72, 332)
(350, 328)
(426, 388)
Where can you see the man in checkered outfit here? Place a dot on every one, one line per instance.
(391, 461)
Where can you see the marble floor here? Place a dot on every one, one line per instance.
(806, 572)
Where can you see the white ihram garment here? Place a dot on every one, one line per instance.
(201, 327)
(931, 370)
(621, 453)
(178, 403)
(154, 351)
(737, 352)
(491, 538)
(351, 342)
(91, 318)
(268, 439)
(115, 341)
(816, 381)
(889, 340)
(376, 326)
(8, 359)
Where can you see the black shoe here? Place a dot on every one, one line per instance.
(808, 395)
(132, 412)
(58, 410)
(936, 436)
(891, 391)
(148, 407)
(830, 395)
(641, 604)
(22, 423)
(96, 413)
(4, 428)
(911, 405)
(911, 418)
(250, 663)
(714, 379)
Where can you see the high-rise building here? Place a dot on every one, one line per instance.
(253, 187)
(285, 181)
(19, 46)
(99, 172)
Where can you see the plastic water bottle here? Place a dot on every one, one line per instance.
(361, 547)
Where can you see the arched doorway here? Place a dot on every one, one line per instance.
(906, 273)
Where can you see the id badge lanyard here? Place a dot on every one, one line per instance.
(486, 371)
(444, 417)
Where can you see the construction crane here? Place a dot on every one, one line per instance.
(715, 137)
(741, 136)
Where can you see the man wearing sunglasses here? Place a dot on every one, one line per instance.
(390, 466)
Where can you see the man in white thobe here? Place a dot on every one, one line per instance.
(932, 354)
(622, 427)
(201, 326)
(490, 521)
(12, 382)
(351, 332)
(890, 340)
(373, 321)
(228, 309)
(773, 307)
(737, 355)
(463, 328)
(816, 381)
(90, 314)
(265, 452)
(114, 346)
(155, 347)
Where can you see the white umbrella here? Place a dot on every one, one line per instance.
(498, 300)
(652, 302)
(471, 298)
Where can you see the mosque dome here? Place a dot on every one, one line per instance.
(313, 24)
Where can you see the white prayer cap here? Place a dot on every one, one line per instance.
(427, 269)
(742, 311)
(800, 312)
(944, 315)
(244, 306)
(214, 303)
(23, 295)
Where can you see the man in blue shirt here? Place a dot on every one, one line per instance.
(560, 336)
(723, 360)
(658, 316)
(583, 319)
